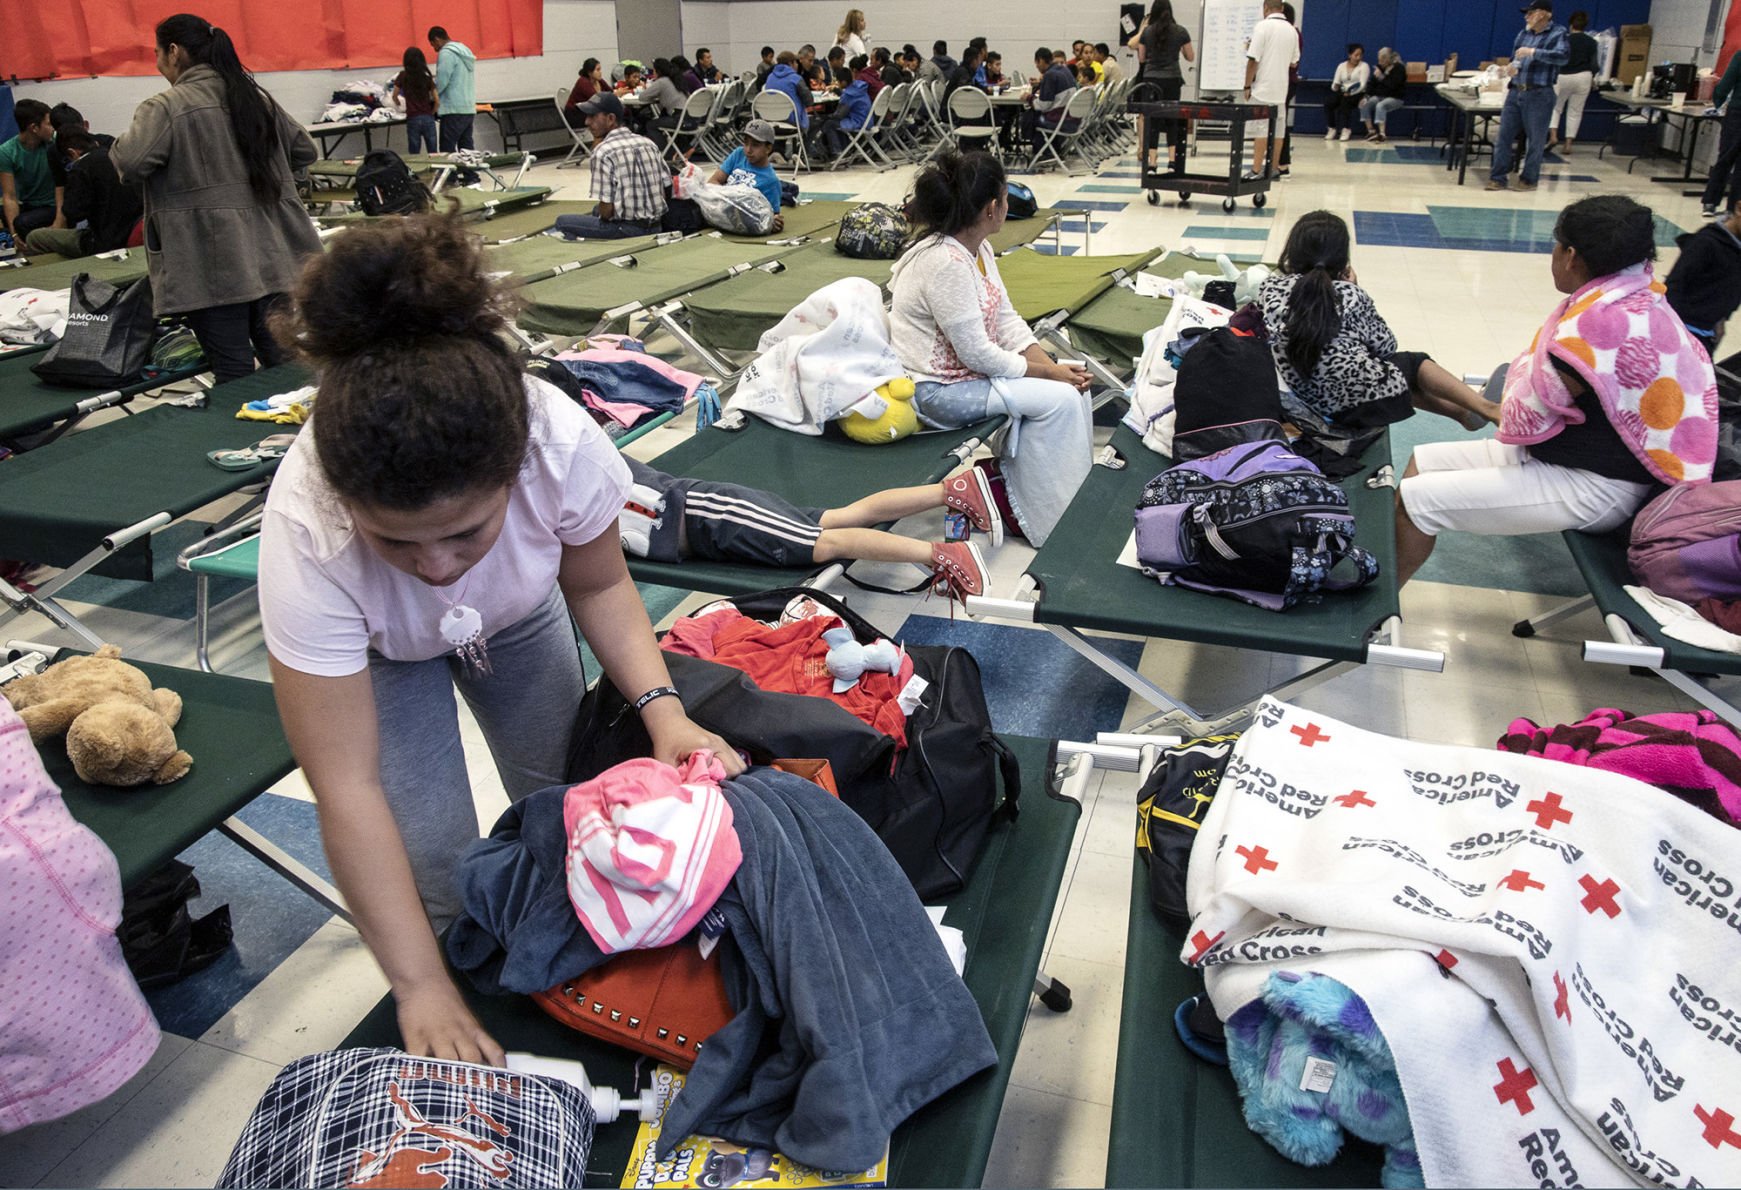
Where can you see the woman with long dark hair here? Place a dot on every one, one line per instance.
(1611, 400)
(444, 521)
(416, 86)
(1159, 44)
(971, 355)
(1337, 358)
(590, 83)
(224, 230)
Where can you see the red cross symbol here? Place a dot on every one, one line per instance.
(1519, 881)
(1548, 811)
(1562, 1001)
(1355, 798)
(1600, 895)
(1717, 1127)
(1256, 859)
(1514, 1086)
(1204, 944)
(1309, 735)
(1445, 959)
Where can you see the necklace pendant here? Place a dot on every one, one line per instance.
(462, 627)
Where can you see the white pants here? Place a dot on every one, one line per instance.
(1570, 93)
(1485, 486)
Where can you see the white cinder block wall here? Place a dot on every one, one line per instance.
(573, 31)
(736, 30)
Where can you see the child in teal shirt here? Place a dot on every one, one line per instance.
(748, 166)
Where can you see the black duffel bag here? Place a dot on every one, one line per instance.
(108, 335)
(931, 809)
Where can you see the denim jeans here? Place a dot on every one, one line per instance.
(591, 227)
(420, 134)
(526, 709)
(232, 336)
(1376, 111)
(456, 132)
(1045, 455)
(1527, 112)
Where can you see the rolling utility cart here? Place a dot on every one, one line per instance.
(1231, 185)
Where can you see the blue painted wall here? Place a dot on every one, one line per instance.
(1429, 30)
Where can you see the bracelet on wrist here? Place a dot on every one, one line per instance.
(656, 692)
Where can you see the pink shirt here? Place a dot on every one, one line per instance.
(74, 1025)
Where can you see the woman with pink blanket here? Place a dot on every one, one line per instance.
(1612, 398)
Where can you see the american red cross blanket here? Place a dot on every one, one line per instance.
(1549, 950)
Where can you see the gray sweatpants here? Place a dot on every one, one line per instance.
(526, 709)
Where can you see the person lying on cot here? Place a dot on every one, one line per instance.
(443, 520)
(1613, 397)
(748, 166)
(1333, 350)
(667, 519)
(972, 356)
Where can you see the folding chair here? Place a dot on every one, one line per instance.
(781, 110)
(691, 120)
(719, 138)
(970, 122)
(582, 147)
(1066, 133)
(861, 142)
(904, 106)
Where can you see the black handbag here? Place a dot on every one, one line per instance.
(108, 335)
(931, 809)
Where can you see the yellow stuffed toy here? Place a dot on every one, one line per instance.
(886, 415)
(119, 731)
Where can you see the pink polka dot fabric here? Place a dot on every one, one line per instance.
(73, 1024)
(1654, 380)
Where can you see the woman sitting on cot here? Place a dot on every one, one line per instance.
(972, 356)
(1612, 398)
(1335, 354)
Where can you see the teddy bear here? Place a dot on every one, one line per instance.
(119, 731)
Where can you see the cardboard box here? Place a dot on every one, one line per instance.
(1417, 71)
(1632, 57)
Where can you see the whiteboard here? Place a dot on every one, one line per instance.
(1227, 26)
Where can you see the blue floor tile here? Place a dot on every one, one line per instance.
(1055, 250)
(1207, 232)
(1034, 683)
(1075, 204)
(1079, 225)
(1109, 190)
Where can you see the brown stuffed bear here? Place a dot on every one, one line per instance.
(119, 731)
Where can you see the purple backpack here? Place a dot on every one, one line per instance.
(1255, 522)
(1686, 543)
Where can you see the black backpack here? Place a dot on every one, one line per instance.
(1170, 809)
(932, 811)
(386, 186)
(1023, 204)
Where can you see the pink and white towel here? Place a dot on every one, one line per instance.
(73, 1024)
(650, 848)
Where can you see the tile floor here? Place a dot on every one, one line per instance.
(1468, 303)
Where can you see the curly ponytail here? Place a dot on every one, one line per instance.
(252, 116)
(1317, 252)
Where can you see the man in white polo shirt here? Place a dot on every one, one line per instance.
(1274, 47)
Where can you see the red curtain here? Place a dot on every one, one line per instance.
(75, 38)
(1731, 38)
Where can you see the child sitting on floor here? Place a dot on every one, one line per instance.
(668, 519)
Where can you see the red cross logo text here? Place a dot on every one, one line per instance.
(1719, 1130)
(1354, 798)
(1549, 810)
(1309, 735)
(1599, 895)
(1256, 859)
(1204, 944)
(1514, 1086)
(1519, 881)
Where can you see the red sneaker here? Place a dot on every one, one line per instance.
(970, 492)
(958, 569)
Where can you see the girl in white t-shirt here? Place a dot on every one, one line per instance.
(971, 356)
(436, 525)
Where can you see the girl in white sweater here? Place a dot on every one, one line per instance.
(972, 356)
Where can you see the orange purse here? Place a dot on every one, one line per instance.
(664, 1002)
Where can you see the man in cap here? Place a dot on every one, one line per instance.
(1536, 57)
(748, 166)
(629, 177)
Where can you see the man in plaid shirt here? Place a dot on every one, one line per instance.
(629, 177)
(1536, 57)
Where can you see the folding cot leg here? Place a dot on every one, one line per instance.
(665, 318)
(286, 865)
(202, 622)
(43, 599)
(1050, 330)
(1528, 628)
(1627, 648)
(1053, 993)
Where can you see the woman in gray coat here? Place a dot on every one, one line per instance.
(224, 230)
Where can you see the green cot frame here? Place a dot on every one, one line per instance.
(57, 272)
(1176, 1120)
(812, 472)
(1635, 638)
(1078, 586)
(230, 727)
(153, 472)
(1005, 912)
(472, 205)
(30, 406)
(341, 172)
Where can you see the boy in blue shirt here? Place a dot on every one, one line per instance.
(748, 166)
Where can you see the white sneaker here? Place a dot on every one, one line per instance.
(1345, 134)
(1330, 134)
